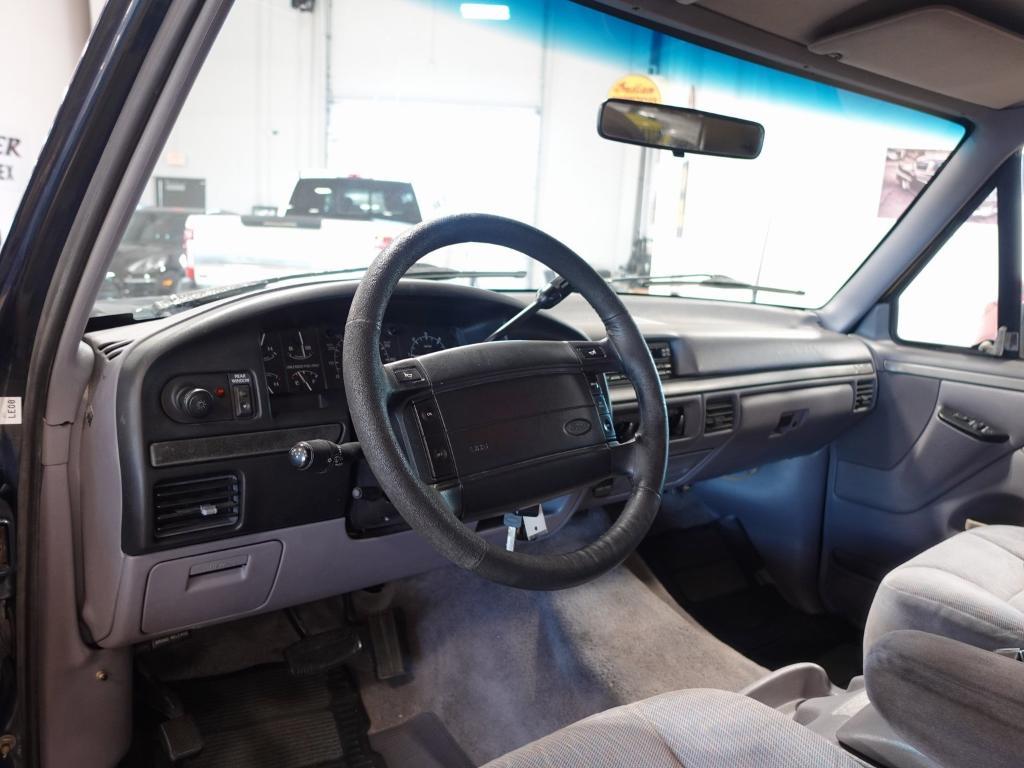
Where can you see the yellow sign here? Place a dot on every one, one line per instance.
(636, 88)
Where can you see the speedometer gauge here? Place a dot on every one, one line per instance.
(332, 344)
(425, 343)
(388, 336)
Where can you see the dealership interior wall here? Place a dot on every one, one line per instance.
(32, 86)
(287, 91)
(403, 104)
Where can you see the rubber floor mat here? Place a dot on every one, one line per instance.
(266, 718)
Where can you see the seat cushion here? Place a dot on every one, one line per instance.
(969, 588)
(959, 705)
(696, 728)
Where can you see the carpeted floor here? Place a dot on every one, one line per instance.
(502, 667)
(713, 573)
(498, 667)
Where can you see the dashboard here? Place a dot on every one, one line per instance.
(195, 516)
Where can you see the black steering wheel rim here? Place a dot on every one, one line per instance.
(421, 504)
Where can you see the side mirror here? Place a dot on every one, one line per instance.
(679, 129)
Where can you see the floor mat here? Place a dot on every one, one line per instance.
(266, 718)
(502, 667)
(714, 574)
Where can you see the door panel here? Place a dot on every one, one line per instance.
(904, 479)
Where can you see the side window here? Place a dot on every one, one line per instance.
(954, 300)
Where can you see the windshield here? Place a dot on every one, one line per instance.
(316, 134)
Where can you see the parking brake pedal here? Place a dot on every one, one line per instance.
(315, 654)
(178, 733)
(180, 738)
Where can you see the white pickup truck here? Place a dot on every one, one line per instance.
(330, 223)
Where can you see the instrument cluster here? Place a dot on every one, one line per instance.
(307, 361)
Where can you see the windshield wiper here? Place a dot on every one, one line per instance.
(704, 280)
(200, 296)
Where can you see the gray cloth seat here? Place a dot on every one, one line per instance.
(695, 728)
(968, 588)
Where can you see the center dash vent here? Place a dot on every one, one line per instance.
(863, 394)
(719, 415)
(112, 349)
(195, 504)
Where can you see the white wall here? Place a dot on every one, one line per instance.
(42, 42)
(256, 115)
(417, 90)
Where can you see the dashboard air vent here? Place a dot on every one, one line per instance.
(719, 415)
(195, 504)
(112, 349)
(863, 394)
(661, 351)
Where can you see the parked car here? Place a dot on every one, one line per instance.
(330, 223)
(149, 261)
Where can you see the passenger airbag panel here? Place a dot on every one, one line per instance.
(780, 425)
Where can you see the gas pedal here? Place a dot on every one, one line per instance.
(386, 644)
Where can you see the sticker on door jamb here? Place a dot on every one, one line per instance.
(10, 410)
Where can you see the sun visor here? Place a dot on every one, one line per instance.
(938, 48)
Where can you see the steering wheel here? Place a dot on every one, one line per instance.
(463, 433)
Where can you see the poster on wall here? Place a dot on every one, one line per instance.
(15, 166)
(906, 173)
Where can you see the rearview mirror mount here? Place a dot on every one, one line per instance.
(679, 129)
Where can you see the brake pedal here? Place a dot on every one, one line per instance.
(315, 654)
(386, 645)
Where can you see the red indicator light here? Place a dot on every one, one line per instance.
(219, 392)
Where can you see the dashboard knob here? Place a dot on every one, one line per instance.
(196, 402)
(301, 456)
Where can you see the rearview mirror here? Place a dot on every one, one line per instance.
(679, 129)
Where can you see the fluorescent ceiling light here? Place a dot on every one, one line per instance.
(485, 11)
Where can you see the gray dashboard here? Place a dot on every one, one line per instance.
(189, 512)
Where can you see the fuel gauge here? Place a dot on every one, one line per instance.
(304, 380)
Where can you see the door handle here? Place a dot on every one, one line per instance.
(972, 426)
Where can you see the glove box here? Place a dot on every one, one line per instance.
(214, 586)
